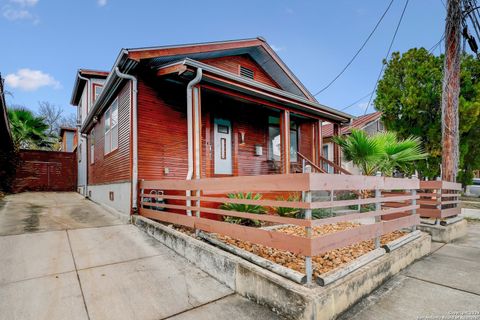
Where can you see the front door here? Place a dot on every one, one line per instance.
(222, 146)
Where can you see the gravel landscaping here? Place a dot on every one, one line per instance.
(321, 263)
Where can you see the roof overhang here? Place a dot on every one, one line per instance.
(160, 57)
(257, 48)
(232, 81)
(80, 83)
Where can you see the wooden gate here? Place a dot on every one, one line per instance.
(45, 171)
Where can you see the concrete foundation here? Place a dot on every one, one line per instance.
(113, 196)
(290, 299)
(446, 233)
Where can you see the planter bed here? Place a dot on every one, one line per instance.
(322, 264)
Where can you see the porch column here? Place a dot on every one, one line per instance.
(285, 140)
(318, 143)
(336, 148)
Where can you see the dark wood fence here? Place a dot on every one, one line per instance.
(45, 171)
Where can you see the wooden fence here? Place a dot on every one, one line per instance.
(188, 203)
(439, 199)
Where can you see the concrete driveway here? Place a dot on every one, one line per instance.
(443, 285)
(64, 257)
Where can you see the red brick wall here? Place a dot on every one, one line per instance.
(46, 171)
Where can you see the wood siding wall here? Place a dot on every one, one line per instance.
(115, 166)
(162, 130)
(232, 64)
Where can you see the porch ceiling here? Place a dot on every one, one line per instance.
(224, 79)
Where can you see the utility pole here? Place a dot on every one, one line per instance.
(451, 92)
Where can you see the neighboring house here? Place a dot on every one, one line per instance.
(214, 109)
(370, 123)
(69, 139)
(7, 168)
(88, 86)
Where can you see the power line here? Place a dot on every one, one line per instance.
(356, 101)
(436, 45)
(388, 54)
(358, 51)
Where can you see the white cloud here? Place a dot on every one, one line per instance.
(31, 80)
(276, 48)
(16, 14)
(25, 3)
(20, 10)
(102, 3)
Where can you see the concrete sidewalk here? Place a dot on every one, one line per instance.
(446, 281)
(64, 257)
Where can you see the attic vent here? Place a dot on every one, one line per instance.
(245, 72)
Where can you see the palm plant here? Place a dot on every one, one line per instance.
(28, 130)
(249, 208)
(382, 152)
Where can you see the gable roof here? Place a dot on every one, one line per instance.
(257, 48)
(357, 123)
(157, 57)
(80, 83)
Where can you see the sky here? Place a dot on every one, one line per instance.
(44, 42)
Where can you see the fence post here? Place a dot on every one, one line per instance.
(414, 202)
(142, 191)
(439, 201)
(378, 207)
(197, 203)
(308, 230)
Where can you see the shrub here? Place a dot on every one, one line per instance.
(249, 208)
(288, 212)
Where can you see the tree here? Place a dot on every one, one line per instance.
(28, 130)
(409, 95)
(382, 152)
(53, 117)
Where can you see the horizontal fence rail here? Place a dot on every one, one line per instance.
(307, 200)
(439, 199)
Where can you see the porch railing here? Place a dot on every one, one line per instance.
(312, 194)
(439, 199)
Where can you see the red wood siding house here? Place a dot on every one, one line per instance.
(201, 110)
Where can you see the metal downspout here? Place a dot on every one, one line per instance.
(85, 189)
(191, 84)
(134, 135)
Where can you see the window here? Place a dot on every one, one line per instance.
(79, 115)
(245, 72)
(80, 152)
(111, 127)
(92, 146)
(97, 90)
(274, 140)
(325, 155)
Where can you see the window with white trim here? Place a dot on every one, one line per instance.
(92, 146)
(111, 127)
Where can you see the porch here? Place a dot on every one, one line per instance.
(237, 127)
